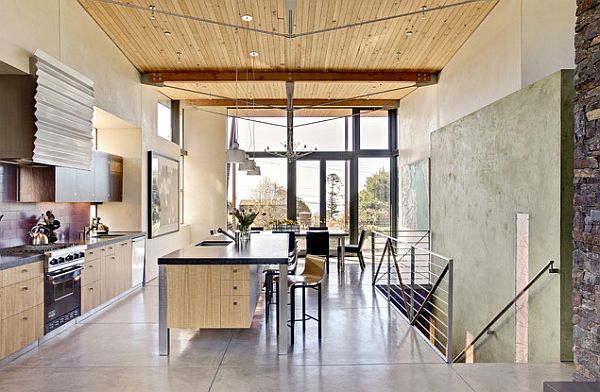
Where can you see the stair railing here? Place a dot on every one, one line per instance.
(419, 284)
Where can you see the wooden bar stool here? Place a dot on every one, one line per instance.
(311, 277)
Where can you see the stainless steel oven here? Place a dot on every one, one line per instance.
(62, 287)
(62, 293)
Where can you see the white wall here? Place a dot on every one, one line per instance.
(520, 42)
(205, 192)
(64, 30)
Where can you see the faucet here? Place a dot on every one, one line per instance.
(219, 230)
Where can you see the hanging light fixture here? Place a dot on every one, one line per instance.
(234, 153)
(255, 172)
(247, 165)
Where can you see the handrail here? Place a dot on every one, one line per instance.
(416, 247)
(422, 312)
(547, 267)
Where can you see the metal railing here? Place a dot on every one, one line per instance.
(418, 282)
(548, 267)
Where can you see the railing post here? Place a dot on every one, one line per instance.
(450, 310)
(389, 273)
(372, 256)
(412, 283)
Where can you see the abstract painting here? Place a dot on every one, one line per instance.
(414, 195)
(163, 198)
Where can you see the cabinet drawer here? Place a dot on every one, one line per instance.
(109, 249)
(91, 271)
(235, 272)
(235, 287)
(235, 311)
(91, 296)
(21, 273)
(22, 329)
(93, 254)
(19, 297)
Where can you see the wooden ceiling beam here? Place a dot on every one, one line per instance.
(297, 102)
(158, 78)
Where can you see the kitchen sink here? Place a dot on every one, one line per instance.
(214, 243)
(107, 236)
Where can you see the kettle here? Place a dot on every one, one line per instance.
(38, 237)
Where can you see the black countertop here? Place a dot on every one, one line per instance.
(8, 260)
(261, 249)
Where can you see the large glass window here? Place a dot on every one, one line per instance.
(266, 193)
(325, 133)
(374, 131)
(164, 127)
(336, 195)
(308, 205)
(258, 133)
(374, 194)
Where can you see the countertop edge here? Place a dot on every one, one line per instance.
(123, 236)
(217, 261)
(7, 261)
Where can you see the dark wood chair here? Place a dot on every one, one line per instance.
(356, 249)
(317, 244)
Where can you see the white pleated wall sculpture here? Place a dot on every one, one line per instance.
(64, 107)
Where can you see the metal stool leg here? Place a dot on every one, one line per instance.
(319, 309)
(277, 308)
(292, 313)
(303, 309)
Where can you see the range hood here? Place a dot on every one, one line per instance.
(46, 117)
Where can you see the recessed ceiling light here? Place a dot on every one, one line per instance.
(247, 18)
(168, 33)
(152, 9)
(179, 54)
(253, 53)
(409, 33)
(423, 14)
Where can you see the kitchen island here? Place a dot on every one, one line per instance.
(216, 283)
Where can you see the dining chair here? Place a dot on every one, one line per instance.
(317, 244)
(356, 249)
(311, 277)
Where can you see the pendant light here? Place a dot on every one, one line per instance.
(255, 172)
(247, 165)
(234, 153)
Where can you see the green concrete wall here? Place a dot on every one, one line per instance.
(486, 167)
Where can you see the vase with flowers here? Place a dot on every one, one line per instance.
(244, 219)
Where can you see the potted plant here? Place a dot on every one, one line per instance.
(245, 218)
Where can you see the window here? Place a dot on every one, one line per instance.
(308, 203)
(257, 136)
(266, 193)
(325, 133)
(374, 131)
(374, 194)
(164, 127)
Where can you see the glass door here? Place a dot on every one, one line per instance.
(308, 200)
(335, 195)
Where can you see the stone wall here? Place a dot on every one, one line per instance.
(586, 228)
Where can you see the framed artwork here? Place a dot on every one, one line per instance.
(414, 195)
(163, 195)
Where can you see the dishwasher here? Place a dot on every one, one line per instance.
(138, 260)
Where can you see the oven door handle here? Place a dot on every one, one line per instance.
(52, 277)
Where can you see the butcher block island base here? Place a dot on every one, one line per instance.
(212, 296)
(216, 283)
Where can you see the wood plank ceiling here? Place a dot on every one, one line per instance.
(423, 42)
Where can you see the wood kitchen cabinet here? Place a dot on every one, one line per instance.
(103, 183)
(106, 274)
(21, 307)
(212, 296)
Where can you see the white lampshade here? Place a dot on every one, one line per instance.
(255, 172)
(247, 165)
(235, 155)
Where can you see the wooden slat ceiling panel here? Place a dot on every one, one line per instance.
(367, 47)
(266, 90)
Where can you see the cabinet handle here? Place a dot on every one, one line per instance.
(103, 250)
(25, 318)
(91, 288)
(91, 266)
(235, 287)
(24, 288)
(110, 247)
(235, 302)
(234, 270)
(24, 271)
(113, 257)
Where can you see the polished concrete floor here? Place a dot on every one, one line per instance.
(365, 347)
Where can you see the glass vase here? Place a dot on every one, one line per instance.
(245, 233)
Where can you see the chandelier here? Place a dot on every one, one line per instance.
(292, 151)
